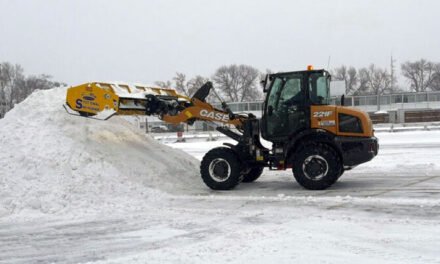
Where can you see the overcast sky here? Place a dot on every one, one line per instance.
(144, 41)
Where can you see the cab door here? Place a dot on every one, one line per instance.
(285, 108)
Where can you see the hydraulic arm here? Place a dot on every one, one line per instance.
(103, 100)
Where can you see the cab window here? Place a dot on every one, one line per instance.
(319, 89)
(286, 91)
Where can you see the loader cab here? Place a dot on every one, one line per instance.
(288, 99)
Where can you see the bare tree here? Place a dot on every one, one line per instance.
(435, 85)
(340, 74)
(163, 84)
(419, 74)
(180, 83)
(15, 86)
(352, 80)
(11, 83)
(188, 88)
(238, 82)
(372, 80)
(195, 83)
(377, 80)
(363, 87)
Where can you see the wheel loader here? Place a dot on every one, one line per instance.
(318, 141)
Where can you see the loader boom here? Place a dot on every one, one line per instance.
(101, 100)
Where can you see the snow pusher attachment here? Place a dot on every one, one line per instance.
(101, 100)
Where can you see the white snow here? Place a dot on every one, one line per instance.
(55, 163)
(77, 190)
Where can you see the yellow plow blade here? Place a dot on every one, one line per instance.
(102, 100)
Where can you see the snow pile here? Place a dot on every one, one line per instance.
(55, 163)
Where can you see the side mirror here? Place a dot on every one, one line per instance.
(265, 83)
(343, 99)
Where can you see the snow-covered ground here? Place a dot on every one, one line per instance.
(410, 159)
(74, 190)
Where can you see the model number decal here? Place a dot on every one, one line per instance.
(322, 113)
(327, 123)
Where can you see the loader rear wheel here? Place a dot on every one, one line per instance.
(220, 169)
(253, 174)
(316, 166)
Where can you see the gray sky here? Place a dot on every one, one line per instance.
(144, 41)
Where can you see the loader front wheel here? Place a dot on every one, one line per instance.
(220, 169)
(316, 166)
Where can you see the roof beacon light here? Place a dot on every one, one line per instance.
(310, 67)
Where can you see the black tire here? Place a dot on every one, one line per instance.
(341, 172)
(253, 174)
(220, 169)
(316, 166)
(339, 175)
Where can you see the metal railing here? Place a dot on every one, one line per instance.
(372, 103)
(369, 103)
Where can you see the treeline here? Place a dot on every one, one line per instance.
(234, 83)
(15, 86)
(419, 76)
(238, 83)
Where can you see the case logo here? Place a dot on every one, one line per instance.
(214, 115)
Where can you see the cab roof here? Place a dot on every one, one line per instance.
(299, 72)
